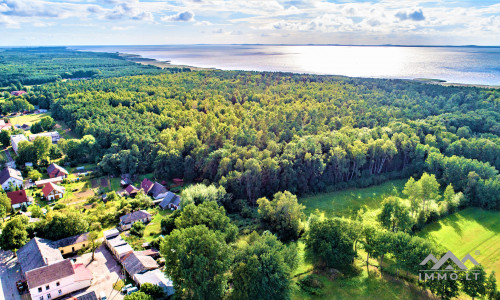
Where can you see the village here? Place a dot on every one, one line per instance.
(90, 265)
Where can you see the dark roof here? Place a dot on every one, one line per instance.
(146, 185)
(88, 296)
(53, 167)
(176, 201)
(49, 273)
(131, 189)
(17, 197)
(170, 198)
(7, 173)
(157, 189)
(135, 263)
(72, 240)
(37, 253)
(135, 216)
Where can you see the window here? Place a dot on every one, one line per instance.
(83, 245)
(73, 249)
(60, 292)
(47, 287)
(48, 296)
(58, 284)
(40, 290)
(62, 251)
(41, 298)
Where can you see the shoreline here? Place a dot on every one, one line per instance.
(136, 58)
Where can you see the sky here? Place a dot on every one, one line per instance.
(156, 22)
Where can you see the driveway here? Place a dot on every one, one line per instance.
(10, 273)
(106, 272)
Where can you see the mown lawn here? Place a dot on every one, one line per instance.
(28, 119)
(153, 229)
(468, 231)
(341, 203)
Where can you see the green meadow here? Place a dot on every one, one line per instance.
(473, 231)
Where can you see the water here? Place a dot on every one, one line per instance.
(470, 65)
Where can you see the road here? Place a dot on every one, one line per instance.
(10, 272)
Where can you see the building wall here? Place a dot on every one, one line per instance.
(54, 196)
(20, 204)
(15, 182)
(67, 285)
(77, 246)
(129, 225)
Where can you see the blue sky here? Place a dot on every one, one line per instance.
(154, 22)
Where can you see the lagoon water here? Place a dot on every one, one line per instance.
(470, 65)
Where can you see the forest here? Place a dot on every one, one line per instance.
(259, 133)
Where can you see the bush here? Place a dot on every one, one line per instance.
(312, 285)
(138, 229)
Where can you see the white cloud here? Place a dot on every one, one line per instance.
(185, 16)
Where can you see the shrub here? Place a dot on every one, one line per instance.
(312, 285)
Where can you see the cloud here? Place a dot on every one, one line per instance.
(186, 16)
(121, 28)
(417, 15)
(203, 23)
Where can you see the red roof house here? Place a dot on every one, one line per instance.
(56, 170)
(17, 198)
(17, 93)
(131, 190)
(146, 185)
(52, 191)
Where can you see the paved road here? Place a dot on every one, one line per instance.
(9, 273)
(7, 154)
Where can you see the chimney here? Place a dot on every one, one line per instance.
(46, 260)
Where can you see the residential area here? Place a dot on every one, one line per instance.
(41, 184)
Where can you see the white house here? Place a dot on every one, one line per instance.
(53, 135)
(53, 191)
(57, 280)
(16, 139)
(8, 176)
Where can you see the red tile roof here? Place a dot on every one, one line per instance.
(131, 189)
(17, 197)
(82, 273)
(146, 185)
(49, 187)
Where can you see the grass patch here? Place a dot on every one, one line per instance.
(153, 229)
(468, 231)
(117, 286)
(28, 119)
(341, 203)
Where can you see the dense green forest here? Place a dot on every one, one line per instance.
(260, 133)
(37, 65)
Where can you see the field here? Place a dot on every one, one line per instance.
(28, 119)
(341, 203)
(468, 231)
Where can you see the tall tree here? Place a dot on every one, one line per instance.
(474, 284)
(395, 216)
(14, 234)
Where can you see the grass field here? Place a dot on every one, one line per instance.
(153, 229)
(28, 119)
(468, 231)
(341, 203)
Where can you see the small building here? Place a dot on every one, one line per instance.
(125, 180)
(19, 198)
(87, 296)
(72, 244)
(131, 191)
(55, 180)
(158, 191)
(17, 93)
(111, 233)
(53, 135)
(15, 139)
(170, 201)
(146, 185)
(134, 263)
(53, 192)
(24, 127)
(58, 279)
(156, 277)
(127, 220)
(10, 177)
(55, 170)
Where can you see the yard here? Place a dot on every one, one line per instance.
(28, 119)
(153, 229)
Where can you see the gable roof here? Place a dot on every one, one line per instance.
(82, 273)
(57, 167)
(54, 135)
(135, 263)
(50, 273)
(146, 185)
(17, 197)
(157, 189)
(79, 238)
(157, 277)
(131, 189)
(58, 179)
(135, 216)
(8, 172)
(37, 253)
(170, 198)
(49, 187)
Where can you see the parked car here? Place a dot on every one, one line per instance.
(132, 290)
(102, 296)
(125, 288)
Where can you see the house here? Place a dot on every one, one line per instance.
(125, 180)
(54, 135)
(24, 127)
(15, 139)
(58, 279)
(52, 191)
(116, 244)
(170, 201)
(134, 263)
(72, 244)
(127, 220)
(5, 126)
(55, 170)
(37, 253)
(131, 191)
(156, 277)
(146, 185)
(19, 198)
(55, 180)
(17, 93)
(158, 191)
(10, 177)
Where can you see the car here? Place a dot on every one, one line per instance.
(132, 290)
(125, 288)
(102, 296)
